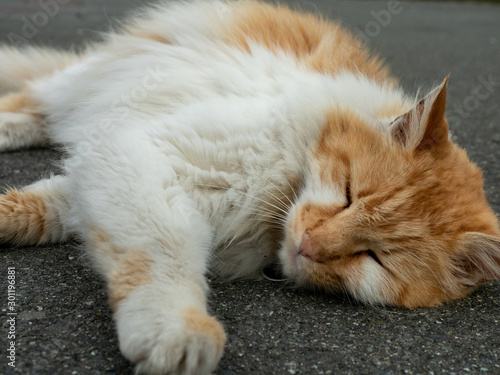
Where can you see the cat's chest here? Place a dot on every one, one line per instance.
(239, 160)
(225, 153)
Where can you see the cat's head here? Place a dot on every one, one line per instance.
(396, 217)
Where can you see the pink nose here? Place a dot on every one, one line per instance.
(306, 246)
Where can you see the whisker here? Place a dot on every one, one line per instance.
(262, 210)
(281, 191)
(284, 204)
(239, 165)
(248, 195)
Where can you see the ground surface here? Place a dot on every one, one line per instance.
(65, 327)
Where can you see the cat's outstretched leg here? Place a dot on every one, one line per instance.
(36, 214)
(161, 316)
(152, 246)
(21, 118)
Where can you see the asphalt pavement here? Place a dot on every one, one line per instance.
(64, 325)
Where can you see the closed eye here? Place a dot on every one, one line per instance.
(374, 256)
(348, 194)
(371, 254)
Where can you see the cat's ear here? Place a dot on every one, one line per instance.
(478, 260)
(424, 127)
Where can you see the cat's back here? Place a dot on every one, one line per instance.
(318, 44)
(190, 57)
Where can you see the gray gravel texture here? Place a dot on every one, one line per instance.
(65, 326)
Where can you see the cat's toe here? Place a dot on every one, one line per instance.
(191, 345)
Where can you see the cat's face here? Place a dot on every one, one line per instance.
(391, 219)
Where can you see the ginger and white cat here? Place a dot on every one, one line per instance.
(226, 136)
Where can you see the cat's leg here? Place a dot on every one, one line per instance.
(22, 120)
(152, 245)
(18, 66)
(161, 315)
(36, 214)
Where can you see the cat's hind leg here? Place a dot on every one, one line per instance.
(18, 66)
(22, 120)
(36, 214)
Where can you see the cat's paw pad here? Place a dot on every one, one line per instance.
(192, 345)
(19, 130)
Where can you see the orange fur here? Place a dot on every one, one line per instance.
(24, 218)
(19, 102)
(413, 204)
(133, 270)
(101, 241)
(321, 45)
(195, 320)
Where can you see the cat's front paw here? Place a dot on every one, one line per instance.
(189, 344)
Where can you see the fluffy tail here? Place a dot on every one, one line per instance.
(20, 65)
(36, 214)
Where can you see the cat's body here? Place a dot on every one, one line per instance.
(230, 136)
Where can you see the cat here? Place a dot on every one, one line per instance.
(227, 136)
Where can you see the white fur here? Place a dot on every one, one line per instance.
(317, 191)
(373, 285)
(160, 348)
